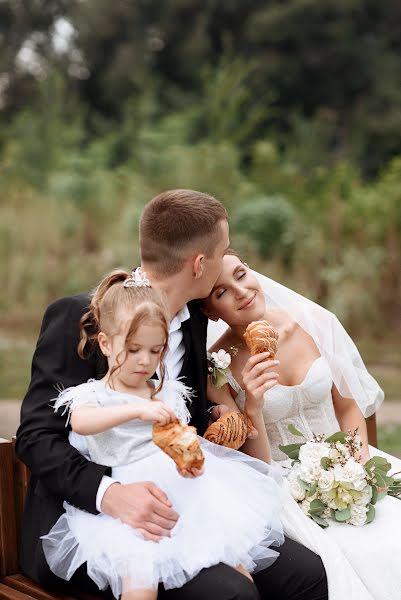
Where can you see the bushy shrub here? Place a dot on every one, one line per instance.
(269, 222)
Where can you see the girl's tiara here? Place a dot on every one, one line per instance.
(137, 279)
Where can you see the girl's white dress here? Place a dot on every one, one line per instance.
(362, 563)
(229, 514)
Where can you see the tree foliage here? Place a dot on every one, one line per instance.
(287, 111)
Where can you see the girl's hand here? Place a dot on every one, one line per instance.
(258, 376)
(157, 412)
(191, 473)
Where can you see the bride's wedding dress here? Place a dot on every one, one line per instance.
(362, 562)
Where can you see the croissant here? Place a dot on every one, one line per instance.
(181, 443)
(230, 430)
(261, 337)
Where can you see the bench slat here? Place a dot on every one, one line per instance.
(8, 529)
(7, 593)
(27, 586)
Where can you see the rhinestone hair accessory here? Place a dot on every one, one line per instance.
(137, 279)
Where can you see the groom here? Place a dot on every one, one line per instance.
(183, 238)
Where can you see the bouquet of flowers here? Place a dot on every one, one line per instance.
(329, 482)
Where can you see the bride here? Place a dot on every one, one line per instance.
(319, 383)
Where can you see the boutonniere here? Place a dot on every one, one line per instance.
(218, 363)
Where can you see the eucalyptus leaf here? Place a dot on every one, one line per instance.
(370, 514)
(294, 430)
(382, 480)
(379, 463)
(305, 486)
(375, 494)
(322, 522)
(312, 489)
(291, 450)
(337, 437)
(325, 462)
(316, 507)
(343, 515)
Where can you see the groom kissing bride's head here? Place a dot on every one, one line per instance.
(183, 238)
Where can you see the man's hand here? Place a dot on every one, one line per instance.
(143, 506)
(217, 411)
(220, 410)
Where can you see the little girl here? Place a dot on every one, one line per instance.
(220, 521)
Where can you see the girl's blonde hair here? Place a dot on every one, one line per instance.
(110, 302)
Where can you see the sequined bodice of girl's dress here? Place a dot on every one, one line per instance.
(308, 406)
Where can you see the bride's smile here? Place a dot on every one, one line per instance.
(237, 295)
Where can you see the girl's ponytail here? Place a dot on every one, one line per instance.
(90, 322)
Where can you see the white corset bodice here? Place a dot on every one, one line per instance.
(308, 406)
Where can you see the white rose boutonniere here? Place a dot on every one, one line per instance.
(218, 363)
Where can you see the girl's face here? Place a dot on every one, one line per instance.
(236, 297)
(141, 357)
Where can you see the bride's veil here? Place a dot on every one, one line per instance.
(349, 373)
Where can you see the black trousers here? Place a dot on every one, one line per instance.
(297, 574)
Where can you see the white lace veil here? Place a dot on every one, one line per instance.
(349, 373)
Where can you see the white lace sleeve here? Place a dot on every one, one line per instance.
(176, 395)
(80, 395)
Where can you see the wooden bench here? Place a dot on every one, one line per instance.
(14, 477)
(14, 585)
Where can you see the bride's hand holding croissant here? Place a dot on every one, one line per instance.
(157, 412)
(258, 376)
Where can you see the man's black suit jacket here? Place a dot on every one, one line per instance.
(58, 471)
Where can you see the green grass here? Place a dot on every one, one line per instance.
(15, 366)
(17, 344)
(389, 439)
(383, 359)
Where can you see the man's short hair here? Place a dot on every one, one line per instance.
(175, 225)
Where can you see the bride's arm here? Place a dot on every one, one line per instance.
(256, 381)
(350, 417)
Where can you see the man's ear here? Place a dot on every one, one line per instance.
(198, 266)
(103, 342)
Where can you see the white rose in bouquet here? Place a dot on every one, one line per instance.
(310, 473)
(358, 515)
(364, 496)
(310, 453)
(296, 489)
(326, 481)
(351, 472)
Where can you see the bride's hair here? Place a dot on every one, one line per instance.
(112, 305)
(176, 224)
(232, 252)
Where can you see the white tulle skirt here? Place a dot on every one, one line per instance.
(230, 514)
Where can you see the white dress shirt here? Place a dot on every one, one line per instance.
(174, 360)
